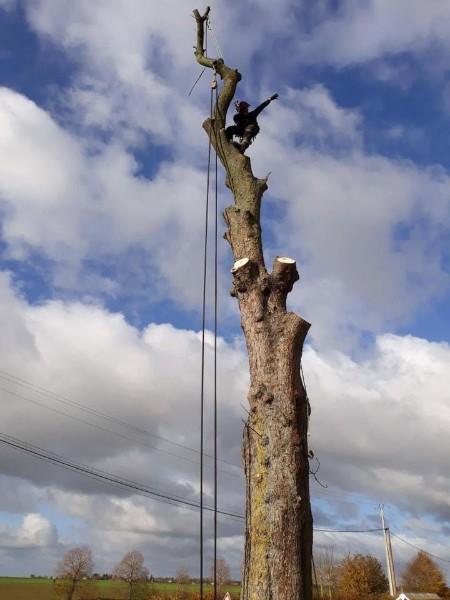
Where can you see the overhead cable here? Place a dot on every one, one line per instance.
(103, 475)
(10, 378)
(447, 560)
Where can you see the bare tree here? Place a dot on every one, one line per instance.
(326, 570)
(183, 576)
(222, 573)
(131, 570)
(278, 538)
(182, 579)
(73, 570)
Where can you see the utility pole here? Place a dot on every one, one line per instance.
(389, 555)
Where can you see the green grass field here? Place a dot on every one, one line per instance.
(23, 588)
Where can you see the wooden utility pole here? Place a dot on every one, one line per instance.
(278, 536)
(389, 555)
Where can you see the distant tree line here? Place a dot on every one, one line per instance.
(74, 574)
(355, 577)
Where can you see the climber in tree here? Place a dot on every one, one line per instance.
(246, 127)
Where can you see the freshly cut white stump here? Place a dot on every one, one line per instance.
(284, 266)
(239, 264)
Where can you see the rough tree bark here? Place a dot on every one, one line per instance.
(278, 537)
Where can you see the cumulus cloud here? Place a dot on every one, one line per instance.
(35, 531)
(393, 440)
(61, 200)
(364, 227)
(378, 426)
(366, 233)
(360, 32)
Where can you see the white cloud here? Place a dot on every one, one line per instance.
(363, 227)
(72, 204)
(365, 230)
(311, 117)
(378, 424)
(361, 32)
(392, 412)
(344, 208)
(35, 531)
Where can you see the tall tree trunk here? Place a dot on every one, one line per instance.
(278, 537)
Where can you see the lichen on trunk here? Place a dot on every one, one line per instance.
(278, 536)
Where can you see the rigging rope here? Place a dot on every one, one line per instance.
(202, 384)
(213, 98)
(214, 91)
(215, 40)
(202, 388)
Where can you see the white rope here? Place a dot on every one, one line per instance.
(215, 40)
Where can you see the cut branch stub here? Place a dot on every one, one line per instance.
(245, 274)
(239, 264)
(284, 275)
(284, 272)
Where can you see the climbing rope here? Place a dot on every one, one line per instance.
(214, 92)
(215, 40)
(202, 384)
(213, 98)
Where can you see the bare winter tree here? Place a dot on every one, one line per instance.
(183, 579)
(326, 569)
(278, 539)
(222, 573)
(183, 576)
(131, 570)
(73, 570)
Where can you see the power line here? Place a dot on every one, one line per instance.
(349, 530)
(421, 549)
(13, 379)
(73, 403)
(104, 475)
(10, 378)
(154, 493)
(329, 495)
(106, 430)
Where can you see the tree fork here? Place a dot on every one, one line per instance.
(278, 536)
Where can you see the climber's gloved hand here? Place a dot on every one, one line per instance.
(274, 97)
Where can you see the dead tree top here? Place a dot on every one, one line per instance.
(230, 77)
(247, 189)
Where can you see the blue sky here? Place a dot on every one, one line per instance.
(102, 181)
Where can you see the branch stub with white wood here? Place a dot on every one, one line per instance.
(239, 264)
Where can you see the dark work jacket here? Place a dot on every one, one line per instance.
(243, 120)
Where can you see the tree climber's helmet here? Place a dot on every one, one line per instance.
(241, 105)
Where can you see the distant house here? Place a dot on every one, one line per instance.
(418, 596)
